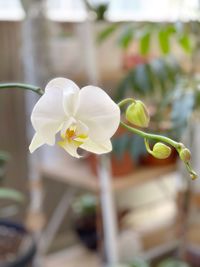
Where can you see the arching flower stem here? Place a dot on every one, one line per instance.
(149, 136)
(22, 86)
(156, 137)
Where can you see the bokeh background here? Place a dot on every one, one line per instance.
(126, 209)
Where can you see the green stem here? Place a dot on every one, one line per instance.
(147, 146)
(126, 101)
(22, 86)
(147, 136)
(152, 136)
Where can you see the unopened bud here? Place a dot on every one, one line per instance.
(161, 151)
(185, 155)
(137, 114)
(193, 175)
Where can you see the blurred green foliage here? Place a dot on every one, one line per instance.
(155, 77)
(85, 205)
(11, 194)
(4, 158)
(98, 8)
(145, 33)
(159, 80)
(7, 194)
(139, 262)
(173, 263)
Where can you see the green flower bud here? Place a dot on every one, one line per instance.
(161, 151)
(193, 175)
(185, 155)
(137, 114)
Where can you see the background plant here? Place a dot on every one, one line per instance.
(158, 78)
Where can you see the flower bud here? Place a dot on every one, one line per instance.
(193, 175)
(137, 114)
(185, 155)
(161, 151)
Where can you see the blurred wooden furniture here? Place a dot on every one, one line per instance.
(81, 176)
(77, 174)
(76, 256)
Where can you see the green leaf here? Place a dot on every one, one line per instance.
(164, 41)
(142, 80)
(159, 74)
(185, 43)
(4, 156)
(85, 204)
(170, 29)
(122, 89)
(145, 43)
(137, 147)
(138, 262)
(182, 108)
(173, 263)
(106, 33)
(126, 38)
(120, 145)
(7, 193)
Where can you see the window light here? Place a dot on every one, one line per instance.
(66, 10)
(153, 10)
(11, 10)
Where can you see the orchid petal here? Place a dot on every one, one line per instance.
(99, 112)
(36, 142)
(70, 147)
(70, 93)
(70, 101)
(98, 148)
(81, 129)
(48, 115)
(60, 84)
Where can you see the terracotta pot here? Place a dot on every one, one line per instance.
(119, 167)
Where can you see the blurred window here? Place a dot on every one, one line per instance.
(11, 10)
(153, 10)
(66, 10)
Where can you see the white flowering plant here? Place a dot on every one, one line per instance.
(87, 118)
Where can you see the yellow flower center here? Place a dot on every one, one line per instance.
(71, 136)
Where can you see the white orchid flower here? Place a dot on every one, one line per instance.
(85, 118)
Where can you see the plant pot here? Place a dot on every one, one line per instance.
(17, 247)
(86, 230)
(119, 166)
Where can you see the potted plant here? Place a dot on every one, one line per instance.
(17, 247)
(85, 220)
(150, 76)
